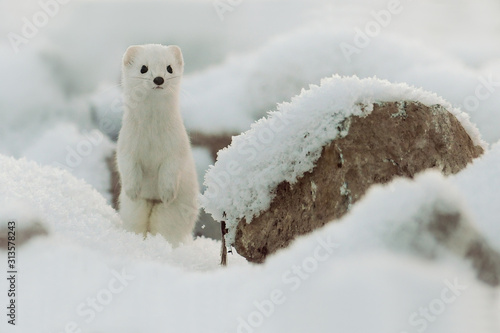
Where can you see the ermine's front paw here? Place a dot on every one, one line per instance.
(133, 192)
(168, 195)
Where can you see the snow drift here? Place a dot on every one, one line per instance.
(374, 265)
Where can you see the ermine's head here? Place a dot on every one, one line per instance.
(152, 69)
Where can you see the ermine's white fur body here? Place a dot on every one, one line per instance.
(157, 172)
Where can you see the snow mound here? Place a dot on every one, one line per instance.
(39, 98)
(106, 106)
(359, 276)
(275, 72)
(249, 85)
(479, 184)
(83, 153)
(396, 216)
(286, 144)
(77, 214)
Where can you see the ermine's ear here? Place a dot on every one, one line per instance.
(130, 54)
(177, 54)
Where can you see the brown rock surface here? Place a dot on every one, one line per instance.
(213, 142)
(396, 139)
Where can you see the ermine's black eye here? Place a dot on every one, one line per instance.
(144, 69)
(169, 69)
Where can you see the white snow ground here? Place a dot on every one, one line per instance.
(62, 86)
(356, 275)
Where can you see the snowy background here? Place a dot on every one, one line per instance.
(60, 109)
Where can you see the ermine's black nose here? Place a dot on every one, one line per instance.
(158, 80)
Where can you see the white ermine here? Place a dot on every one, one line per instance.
(159, 187)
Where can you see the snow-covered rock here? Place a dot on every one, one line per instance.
(397, 139)
(288, 143)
